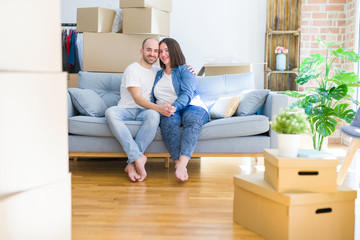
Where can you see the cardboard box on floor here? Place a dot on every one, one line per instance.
(33, 141)
(299, 174)
(214, 69)
(40, 213)
(111, 52)
(31, 36)
(146, 20)
(164, 5)
(95, 19)
(293, 216)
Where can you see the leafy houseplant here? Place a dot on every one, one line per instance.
(289, 124)
(324, 104)
(290, 121)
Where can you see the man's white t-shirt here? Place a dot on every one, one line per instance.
(136, 75)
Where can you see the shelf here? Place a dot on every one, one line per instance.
(296, 72)
(283, 20)
(269, 31)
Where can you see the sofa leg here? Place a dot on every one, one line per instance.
(166, 162)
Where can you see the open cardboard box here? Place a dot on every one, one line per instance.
(299, 174)
(277, 216)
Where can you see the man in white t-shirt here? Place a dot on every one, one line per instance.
(135, 104)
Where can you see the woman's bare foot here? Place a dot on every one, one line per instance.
(181, 172)
(140, 167)
(132, 173)
(176, 163)
(180, 168)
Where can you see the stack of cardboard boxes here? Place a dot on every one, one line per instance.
(295, 199)
(35, 183)
(113, 52)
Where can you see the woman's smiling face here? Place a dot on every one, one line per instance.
(164, 54)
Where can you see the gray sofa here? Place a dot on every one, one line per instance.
(245, 134)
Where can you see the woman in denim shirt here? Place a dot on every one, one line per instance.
(175, 86)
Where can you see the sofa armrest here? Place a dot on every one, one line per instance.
(71, 108)
(272, 106)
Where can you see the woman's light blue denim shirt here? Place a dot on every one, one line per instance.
(184, 84)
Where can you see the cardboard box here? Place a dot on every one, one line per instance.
(146, 20)
(215, 69)
(31, 36)
(34, 133)
(95, 19)
(299, 174)
(164, 5)
(293, 216)
(40, 213)
(111, 52)
(72, 80)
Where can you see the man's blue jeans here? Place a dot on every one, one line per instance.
(134, 149)
(191, 118)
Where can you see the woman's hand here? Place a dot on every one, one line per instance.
(191, 69)
(172, 108)
(166, 109)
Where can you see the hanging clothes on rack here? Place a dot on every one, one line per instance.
(80, 51)
(71, 55)
(64, 51)
(72, 50)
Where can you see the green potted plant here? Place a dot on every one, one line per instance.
(325, 104)
(290, 123)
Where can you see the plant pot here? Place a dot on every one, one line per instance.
(280, 62)
(288, 144)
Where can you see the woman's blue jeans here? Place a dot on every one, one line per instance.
(179, 143)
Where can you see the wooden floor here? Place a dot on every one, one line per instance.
(106, 205)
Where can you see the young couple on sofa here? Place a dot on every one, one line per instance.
(156, 96)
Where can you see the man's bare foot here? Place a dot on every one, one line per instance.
(132, 173)
(140, 167)
(181, 172)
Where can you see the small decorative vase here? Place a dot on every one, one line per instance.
(288, 145)
(280, 62)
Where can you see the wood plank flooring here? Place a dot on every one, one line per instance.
(106, 205)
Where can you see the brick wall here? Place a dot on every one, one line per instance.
(330, 20)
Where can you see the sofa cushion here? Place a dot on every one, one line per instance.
(216, 129)
(251, 101)
(95, 126)
(87, 102)
(212, 88)
(225, 107)
(235, 127)
(106, 85)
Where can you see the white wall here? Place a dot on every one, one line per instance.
(208, 30)
(226, 30)
(68, 7)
